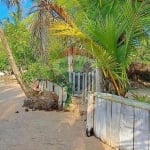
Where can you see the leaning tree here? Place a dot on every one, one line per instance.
(8, 51)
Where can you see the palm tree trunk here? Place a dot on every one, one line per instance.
(13, 63)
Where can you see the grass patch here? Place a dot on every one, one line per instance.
(141, 98)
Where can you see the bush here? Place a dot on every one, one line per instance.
(37, 71)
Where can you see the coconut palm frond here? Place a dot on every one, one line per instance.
(47, 13)
(39, 27)
(64, 29)
(137, 18)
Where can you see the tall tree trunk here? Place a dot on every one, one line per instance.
(13, 63)
(70, 63)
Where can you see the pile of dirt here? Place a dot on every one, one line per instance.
(139, 75)
(138, 71)
(44, 101)
(139, 84)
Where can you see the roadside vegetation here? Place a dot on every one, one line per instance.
(112, 35)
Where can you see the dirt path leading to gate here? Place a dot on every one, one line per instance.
(39, 130)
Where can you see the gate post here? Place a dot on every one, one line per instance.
(90, 114)
(99, 80)
(70, 63)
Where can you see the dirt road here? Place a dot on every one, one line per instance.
(39, 130)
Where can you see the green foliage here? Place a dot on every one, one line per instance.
(69, 94)
(143, 50)
(37, 71)
(3, 60)
(18, 36)
(141, 98)
(110, 29)
(55, 71)
(78, 63)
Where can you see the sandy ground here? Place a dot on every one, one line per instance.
(39, 130)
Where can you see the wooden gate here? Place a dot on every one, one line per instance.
(82, 83)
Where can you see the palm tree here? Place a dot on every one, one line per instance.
(46, 13)
(110, 29)
(40, 26)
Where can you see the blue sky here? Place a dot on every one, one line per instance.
(4, 12)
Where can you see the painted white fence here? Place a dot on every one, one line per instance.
(82, 83)
(120, 122)
(52, 87)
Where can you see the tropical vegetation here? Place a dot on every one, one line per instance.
(112, 34)
(113, 29)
